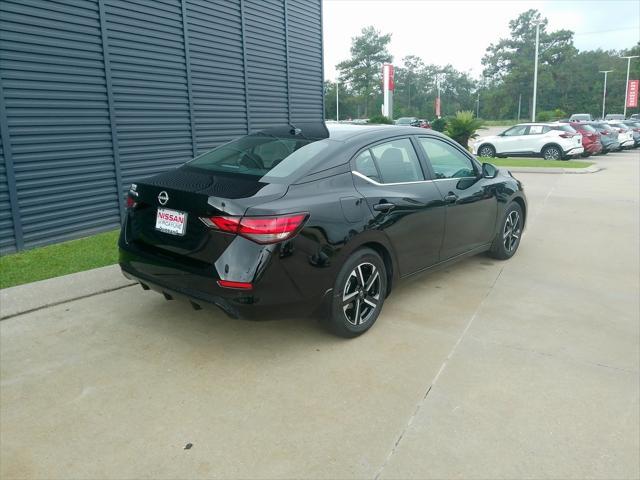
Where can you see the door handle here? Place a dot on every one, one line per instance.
(384, 207)
(451, 198)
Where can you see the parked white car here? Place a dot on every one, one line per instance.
(552, 141)
(625, 134)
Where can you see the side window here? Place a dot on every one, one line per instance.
(517, 130)
(397, 161)
(366, 166)
(447, 161)
(536, 130)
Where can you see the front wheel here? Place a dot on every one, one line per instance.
(508, 237)
(358, 294)
(552, 153)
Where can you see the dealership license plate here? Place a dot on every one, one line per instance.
(171, 221)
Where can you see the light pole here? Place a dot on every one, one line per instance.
(535, 73)
(478, 106)
(337, 100)
(626, 85)
(604, 93)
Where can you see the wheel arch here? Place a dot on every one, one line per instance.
(388, 260)
(523, 206)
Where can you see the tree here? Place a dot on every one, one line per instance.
(362, 73)
(508, 64)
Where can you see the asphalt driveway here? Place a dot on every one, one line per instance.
(526, 368)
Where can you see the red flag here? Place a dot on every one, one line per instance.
(632, 93)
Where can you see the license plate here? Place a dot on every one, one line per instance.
(171, 221)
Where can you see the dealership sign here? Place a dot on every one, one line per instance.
(632, 93)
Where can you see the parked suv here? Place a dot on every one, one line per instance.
(552, 141)
(634, 125)
(635, 116)
(580, 117)
(608, 137)
(625, 134)
(590, 138)
(614, 116)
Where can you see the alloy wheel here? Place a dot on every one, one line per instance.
(552, 154)
(512, 231)
(361, 294)
(486, 151)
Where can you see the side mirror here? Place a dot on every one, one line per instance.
(489, 171)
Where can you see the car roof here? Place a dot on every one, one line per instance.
(344, 132)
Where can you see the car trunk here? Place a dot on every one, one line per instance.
(192, 194)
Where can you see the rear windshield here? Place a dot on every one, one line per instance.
(587, 128)
(565, 128)
(261, 155)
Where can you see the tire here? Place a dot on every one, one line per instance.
(603, 152)
(350, 319)
(585, 155)
(551, 152)
(487, 151)
(507, 239)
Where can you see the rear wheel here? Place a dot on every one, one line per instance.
(552, 152)
(487, 151)
(358, 294)
(508, 237)
(585, 155)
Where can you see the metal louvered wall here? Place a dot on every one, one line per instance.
(97, 93)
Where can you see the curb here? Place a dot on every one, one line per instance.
(591, 169)
(54, 291)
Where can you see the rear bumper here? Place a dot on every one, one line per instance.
(611, 146)
(274, 293)
(574, 150)
(593, 148)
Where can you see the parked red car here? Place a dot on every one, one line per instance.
(590, 138)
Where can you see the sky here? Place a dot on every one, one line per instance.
(459, 31)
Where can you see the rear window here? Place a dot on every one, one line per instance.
(587, 128)
(261, 155)
(564, 128)
(581, 117)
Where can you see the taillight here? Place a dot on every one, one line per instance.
(605, 132)
(235, 285)
(262, 230)
(131, 202)
(566, 135)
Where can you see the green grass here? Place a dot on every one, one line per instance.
(535, 162)
(61, 259)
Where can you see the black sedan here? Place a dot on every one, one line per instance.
(302, 220)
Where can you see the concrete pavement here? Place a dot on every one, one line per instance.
(526, 368)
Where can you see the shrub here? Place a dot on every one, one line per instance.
(463, 127)
(380, 119)
(549, 115)
(544, 116)
(439, 124)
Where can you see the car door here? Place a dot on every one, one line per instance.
(537, 137)
(513, 140)
(471, 203)
(404, 202)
